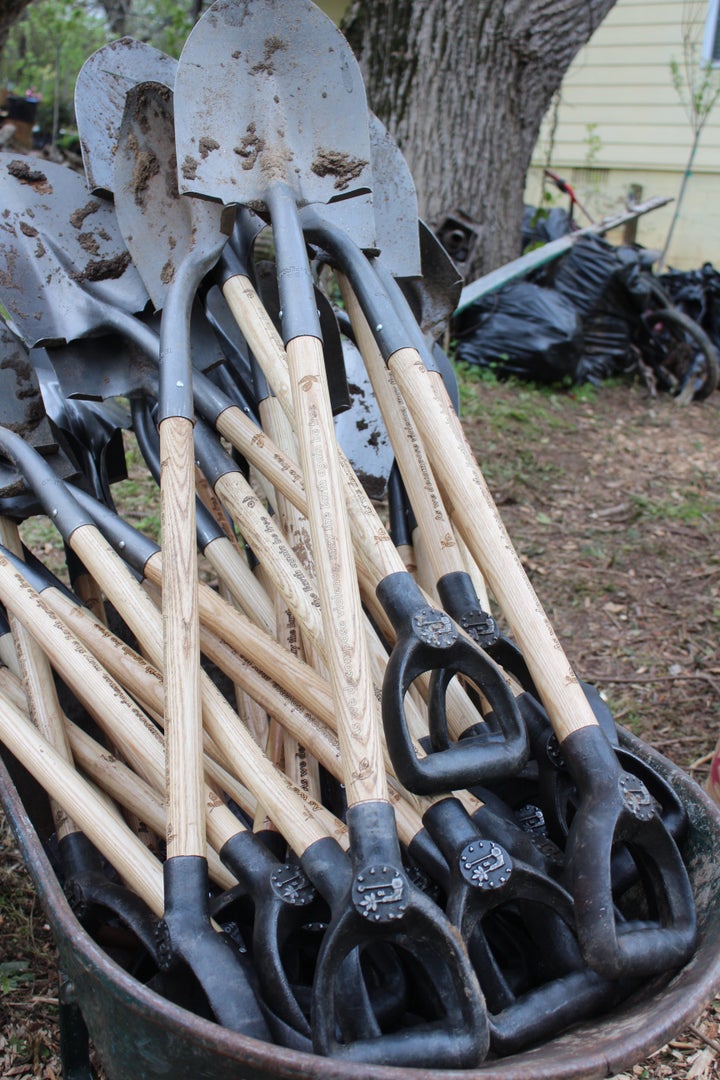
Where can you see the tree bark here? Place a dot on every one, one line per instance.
(117, 12)
(10, 12)
(463, 86)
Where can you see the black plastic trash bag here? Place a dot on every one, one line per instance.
(586, 273)
(697, 294)
(607, 347)
(522, 330)
(540, 225)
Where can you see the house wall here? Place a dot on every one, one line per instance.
(621, 123)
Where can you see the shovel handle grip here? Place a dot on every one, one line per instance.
(478, 519)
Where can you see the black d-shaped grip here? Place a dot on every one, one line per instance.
(616, 807)
(382, 906)
(429, 641)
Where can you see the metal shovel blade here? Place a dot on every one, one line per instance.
(62, 259)
(240, 90)
(160, 228)
(435, 295)
(22, 410)
(395, 204)
(100, 90)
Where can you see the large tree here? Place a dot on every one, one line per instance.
(10, 12)
(463, 86)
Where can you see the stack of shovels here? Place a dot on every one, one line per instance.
(342, 791)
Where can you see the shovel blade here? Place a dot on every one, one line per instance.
(260, 99)
(100, 90)
(62, 259)
(159, 228)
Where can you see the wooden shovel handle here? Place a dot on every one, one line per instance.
(345, 647)
(183, 724)
(139, 869)
(273, 551)
(408, 448)
(242, 585)
(478, 519)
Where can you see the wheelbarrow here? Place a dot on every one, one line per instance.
(137, 1033)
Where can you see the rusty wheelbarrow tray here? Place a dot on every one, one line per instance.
(137, 1033)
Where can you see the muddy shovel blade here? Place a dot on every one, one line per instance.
(246, 68)
(64, 269)
(100, 91)
(159, 227)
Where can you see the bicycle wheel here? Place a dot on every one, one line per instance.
(682, 354)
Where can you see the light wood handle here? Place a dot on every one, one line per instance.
(183, 723)
(132, 860)
(273, 551)
(478, 519)
(345, 648)
(237, 577)
(407, 445)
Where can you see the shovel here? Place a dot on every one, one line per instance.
(285, 59)
(198, 239)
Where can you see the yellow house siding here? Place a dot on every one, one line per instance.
(619, 88)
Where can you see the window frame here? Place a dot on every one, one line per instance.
(710, 53)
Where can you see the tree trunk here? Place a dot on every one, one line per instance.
(463, 86)
(117, 12)
(10, 12)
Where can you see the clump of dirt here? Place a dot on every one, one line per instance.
(171, 183)
(88, 242)
(77, 218)
(146, 167)
(104, 269)
(343, 167)
(167, 274)
(250, 147)
(266, 66)
(28, 230)
(207, 145)
(35, 177)
(190, 167)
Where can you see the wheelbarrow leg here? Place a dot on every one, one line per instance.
(74, 1038)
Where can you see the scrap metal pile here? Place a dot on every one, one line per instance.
(347, 812)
